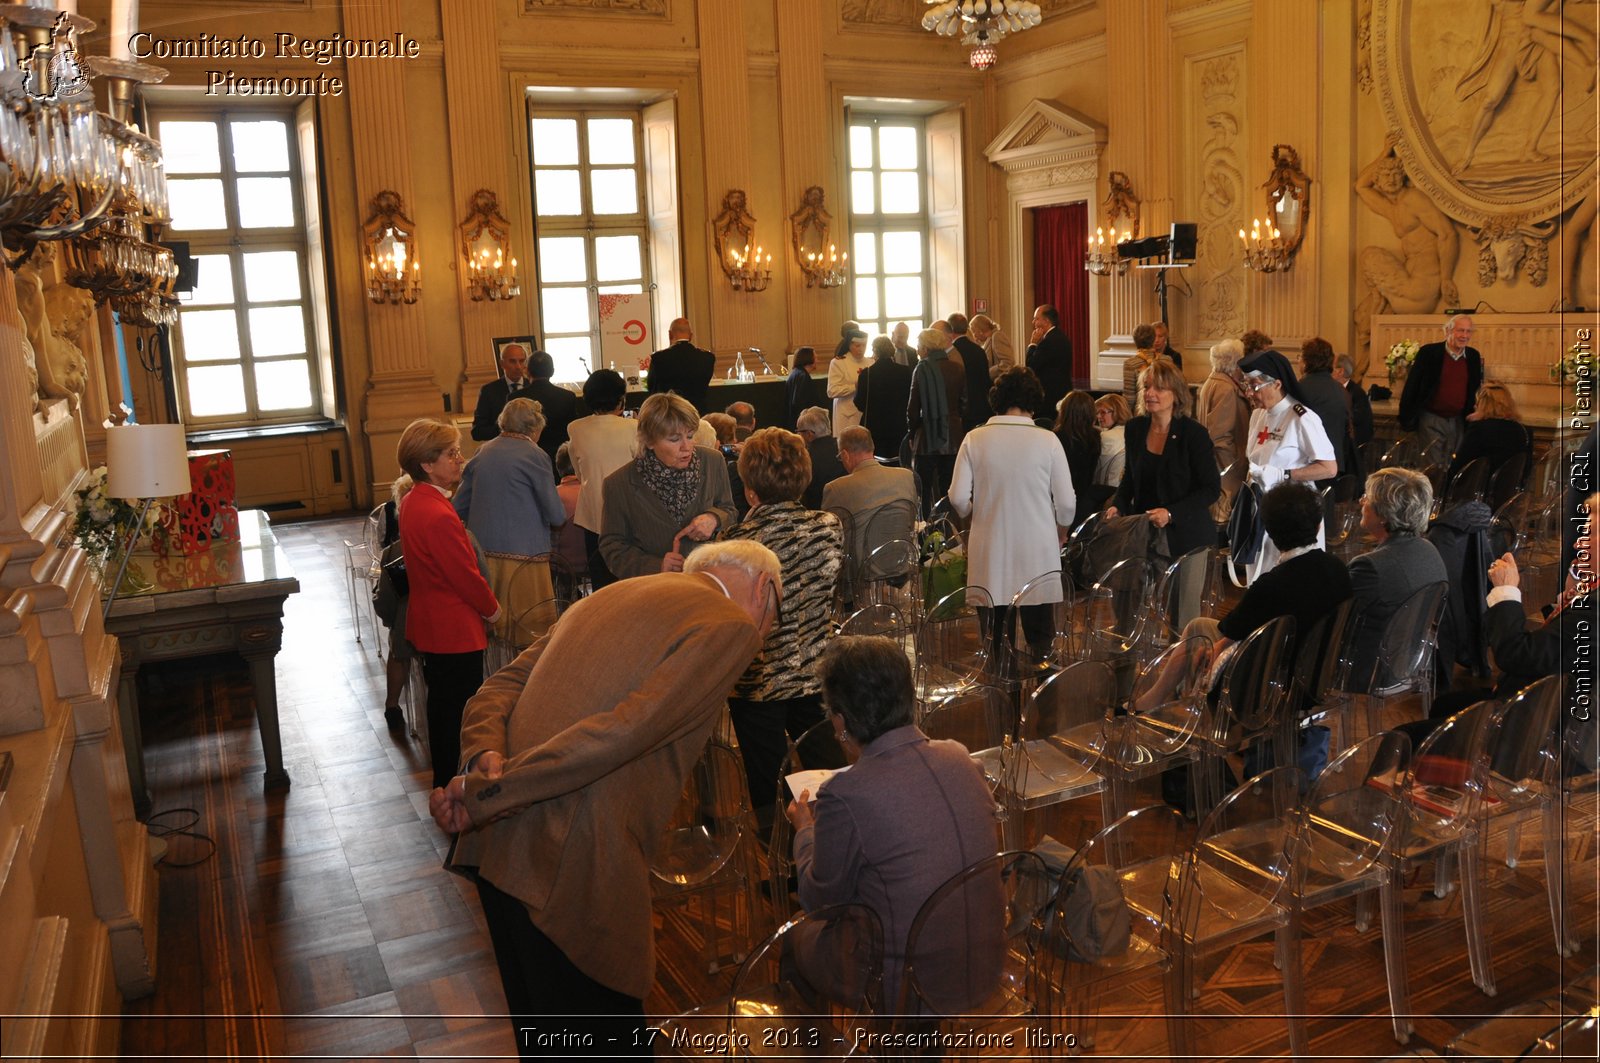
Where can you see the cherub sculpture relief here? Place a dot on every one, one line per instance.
(53, 316)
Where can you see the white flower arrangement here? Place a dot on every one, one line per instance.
(1400, 356)
(1577, 363)
(102, 523)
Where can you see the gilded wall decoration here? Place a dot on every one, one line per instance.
(1121, 203)
(1488, 100)
(654, 8)
(1220, 198)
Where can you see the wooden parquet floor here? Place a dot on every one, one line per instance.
(323, 926)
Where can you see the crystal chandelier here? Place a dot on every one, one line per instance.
(981, 23)
(74, 174)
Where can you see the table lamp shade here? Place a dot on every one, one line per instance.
(147, 461)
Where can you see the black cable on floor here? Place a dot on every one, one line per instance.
(162, 830)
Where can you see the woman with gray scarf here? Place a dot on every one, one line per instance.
(669, 499)
(934, 415)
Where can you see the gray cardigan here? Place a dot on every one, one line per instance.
(508, 497)
(1382, 579)
(635, 528)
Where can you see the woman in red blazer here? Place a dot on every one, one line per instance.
(450, 600)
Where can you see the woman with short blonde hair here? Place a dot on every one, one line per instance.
(671, 497)
(1111, 414)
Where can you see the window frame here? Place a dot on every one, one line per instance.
(588, 225)
(877, 223)
(234, 241)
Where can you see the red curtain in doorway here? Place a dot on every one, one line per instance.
(1059, 236)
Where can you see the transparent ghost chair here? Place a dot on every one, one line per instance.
(1139, 848)
(1233, 886)
(955, 644)
(1250, 707)
(889, 576)
(1059, 745)
(818, 748)
(980, 718)
(973, 951)
(1165, 710)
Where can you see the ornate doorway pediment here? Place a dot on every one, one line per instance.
(1046, 134)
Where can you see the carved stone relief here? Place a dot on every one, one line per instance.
(1054, 176)
(53, 315)
(1488, 101)
(1220, 198)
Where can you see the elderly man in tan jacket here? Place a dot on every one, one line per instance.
(573, 758)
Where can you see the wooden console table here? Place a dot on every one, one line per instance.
(228, 597)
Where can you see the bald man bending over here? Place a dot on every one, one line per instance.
(683, 367)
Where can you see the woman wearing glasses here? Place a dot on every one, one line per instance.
(1285, 442)
(450, 599)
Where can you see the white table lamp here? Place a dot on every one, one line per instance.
(144, 462)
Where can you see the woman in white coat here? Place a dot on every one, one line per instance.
(843, 373)
(1285, 442)
(1012, 478)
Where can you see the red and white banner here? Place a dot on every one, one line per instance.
(625, 330)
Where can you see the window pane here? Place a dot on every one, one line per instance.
(209, 335)
(215, 390)
(565, 309)
(872, 328)
(866, 252)
(283, 385)
(616, 258)
(214, 283)
(566, 351)
(614, 191)
(555, 141)
(561, 259)
(866, 297)
(897, 146)
(277, 330)
(620, 289)
(556, 192)
(861, 145)
(271, 276)
(610, 141)
(901, 194)
(902, 296)
(862, 193)
(197, 205)
(902, 252)
(260, 146)
(190, 147)
(266, 203)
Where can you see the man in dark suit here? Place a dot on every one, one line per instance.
(1344, 371)
(572, 761)
(683, 367)
(1050, 355)
(976, 364)
(494, 395)
(882, 391)
(817, 430)
(1442, 386)
(560, 405)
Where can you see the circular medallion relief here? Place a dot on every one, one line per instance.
(1489, 98)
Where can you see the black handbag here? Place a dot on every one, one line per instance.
(1245, 530)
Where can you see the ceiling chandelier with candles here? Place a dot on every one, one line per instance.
(71, 173)
(981, 24)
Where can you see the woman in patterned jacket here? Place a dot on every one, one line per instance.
(780, 691)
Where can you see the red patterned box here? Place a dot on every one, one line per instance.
(207, 513)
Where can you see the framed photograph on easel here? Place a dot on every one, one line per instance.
(529, 344)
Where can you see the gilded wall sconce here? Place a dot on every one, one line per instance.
(1271, 243)
(818, 257)
(486, 245)
(389, 244)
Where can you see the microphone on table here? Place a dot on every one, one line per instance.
(757, 352)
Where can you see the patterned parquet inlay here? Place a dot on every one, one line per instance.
(323, 926)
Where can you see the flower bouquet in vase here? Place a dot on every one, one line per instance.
(1399, 360)
(1577, 364)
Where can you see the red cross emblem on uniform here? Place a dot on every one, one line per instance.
(1263, 435)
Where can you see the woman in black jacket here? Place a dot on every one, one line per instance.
(1495, 431)
(1170, 472)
